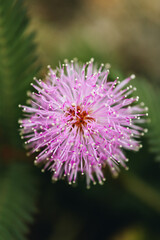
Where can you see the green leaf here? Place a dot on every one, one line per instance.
(18, 64)
(18, 191)
(151, 97)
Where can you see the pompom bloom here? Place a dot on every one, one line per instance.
(80, 121)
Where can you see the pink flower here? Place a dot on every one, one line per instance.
(79, 121)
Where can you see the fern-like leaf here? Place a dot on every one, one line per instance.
(151, 97)
(18, 63)
(17, 201)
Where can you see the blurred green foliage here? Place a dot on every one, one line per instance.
(125, 208)
(17, 64)
(17, 67)
(18, 190)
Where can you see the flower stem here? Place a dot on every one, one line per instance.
(142, 190)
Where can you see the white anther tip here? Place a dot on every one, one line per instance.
(133, 76)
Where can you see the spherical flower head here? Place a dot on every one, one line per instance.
(79, 121)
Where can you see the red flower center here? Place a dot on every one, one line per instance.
(81, 117)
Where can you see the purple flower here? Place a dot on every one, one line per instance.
(79, 121)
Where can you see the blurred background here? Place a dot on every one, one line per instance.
(125, 34)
